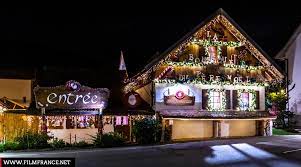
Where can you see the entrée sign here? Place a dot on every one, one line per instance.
(71, 96)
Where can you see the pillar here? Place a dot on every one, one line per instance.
(100, 124)
(267, 126)
(130, 124)
(44, 121)
(217, 128)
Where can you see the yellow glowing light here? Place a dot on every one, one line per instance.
(282, 91)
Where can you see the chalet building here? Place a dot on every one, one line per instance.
(211, 83)
(290, 54)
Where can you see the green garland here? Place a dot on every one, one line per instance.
(200, 64)
(199, 81)
(233, 66)
(223, 100)
(252, 106)
(207, 43)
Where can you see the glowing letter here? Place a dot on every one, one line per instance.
(49, 98)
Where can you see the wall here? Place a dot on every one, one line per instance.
(191, 129)
(196, 90)
(81, 134)
(293, 53)
(233, 128)
(16, 89)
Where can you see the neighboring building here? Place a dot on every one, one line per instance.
(15, 98)
(16, 86)
(211, 83)
(17, 90)
(290, 54)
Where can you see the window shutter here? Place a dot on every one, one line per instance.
(204, 99)
(224, 51)
(234, 99)
(228, 100)
(257, 100)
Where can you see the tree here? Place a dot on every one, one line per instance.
(277, 96)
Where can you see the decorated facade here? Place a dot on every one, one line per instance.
(211, 83)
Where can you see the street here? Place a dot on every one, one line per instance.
(253, 151)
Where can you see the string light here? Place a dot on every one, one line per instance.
(252, 104)
(145, 77)
(202, 82)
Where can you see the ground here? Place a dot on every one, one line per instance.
(270, 151)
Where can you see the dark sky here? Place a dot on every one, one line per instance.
(85, 43)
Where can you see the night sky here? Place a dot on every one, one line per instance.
(84, 44)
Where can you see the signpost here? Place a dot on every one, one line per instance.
(71, 96)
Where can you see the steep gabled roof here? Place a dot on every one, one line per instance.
(281, 55)
(219, 16)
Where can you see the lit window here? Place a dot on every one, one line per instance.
(125, 120)
(118, 120)
(244, 101)
(215, 100)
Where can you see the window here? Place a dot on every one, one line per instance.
(125, 120)
(55, 122)
(121, 120)
(245, 101)
(84, 122)
(118, 120)
(81, 122)
(215, 100)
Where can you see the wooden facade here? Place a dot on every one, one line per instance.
(223, 71)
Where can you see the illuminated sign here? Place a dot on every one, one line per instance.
(173, 100)
(179, 99)
(71, 96)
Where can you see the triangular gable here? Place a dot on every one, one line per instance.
(222, 18)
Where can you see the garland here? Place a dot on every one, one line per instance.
(233, 66)
(207, 43)
(223, 100)
(198, 81)
(252, 104)
(200, 64)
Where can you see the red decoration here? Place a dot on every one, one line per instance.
(180, 95)
(167, 69)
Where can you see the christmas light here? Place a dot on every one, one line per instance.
(252, 102)
(202, 82)
(198, 38)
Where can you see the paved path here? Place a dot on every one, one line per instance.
(279, 151)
